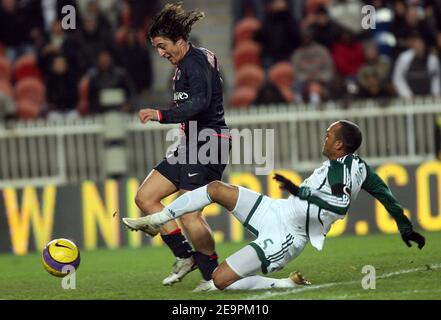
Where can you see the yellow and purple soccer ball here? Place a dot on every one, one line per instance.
(58, 254)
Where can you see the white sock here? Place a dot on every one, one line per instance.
(259, 283)
(188, 202)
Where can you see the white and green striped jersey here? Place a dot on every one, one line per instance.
(333, 185)
(329, 190)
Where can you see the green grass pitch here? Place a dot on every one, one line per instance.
(336, 273)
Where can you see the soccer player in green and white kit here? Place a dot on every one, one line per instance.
(283, 226)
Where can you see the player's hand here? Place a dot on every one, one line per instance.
(286, 184)
(148, 114)
(415, 237)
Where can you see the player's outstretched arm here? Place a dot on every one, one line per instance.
(337, 202)
(415, 237)
(148, 114)
(376, 187)
(286, 184)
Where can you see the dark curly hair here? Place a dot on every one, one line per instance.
(174, 22)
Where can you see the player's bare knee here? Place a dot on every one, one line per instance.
(139, 201)
(219, 284)
(213, 189)
(218, 280)
(188, 219)
(144, 203)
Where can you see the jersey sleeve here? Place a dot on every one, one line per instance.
(200, 83)
(376, 187)
(339, 199)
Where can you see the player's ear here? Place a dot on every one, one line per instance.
(180, 41)
(339, 145)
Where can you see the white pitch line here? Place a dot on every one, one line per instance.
(397, 273)
(353, 296)
(269, 294)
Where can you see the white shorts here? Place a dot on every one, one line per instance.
(278, 240)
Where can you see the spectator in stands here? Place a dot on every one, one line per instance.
(62, 91)
(375, 62)
(61, 43)
(110, 87)
(436, 7)
(93, 12)
(108, 10)
(311, 6)
(93, 39)
(36, 17)
(38, 39)
(135, 59)
(15, 29)
(324, 30)
(142, 11)
(371, 86)
(372, 79)
(313, 67)
(340, 91)
(438, 44)
(269, 94)
(417, 70)
(247, 8)
(7, 104)
(408, 20)
(278, 34)
(52, 47)
(348, 54)
(298, 9)
(382, 34)
(399, 24)
(347, 14)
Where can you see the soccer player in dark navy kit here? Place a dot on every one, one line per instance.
(198, 101)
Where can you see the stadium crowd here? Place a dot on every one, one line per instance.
(317, 50)
(50, 71)
(284, 51)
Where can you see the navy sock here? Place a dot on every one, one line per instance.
(178, 244)
(206, 264)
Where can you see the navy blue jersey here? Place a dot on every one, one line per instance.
(197, 92)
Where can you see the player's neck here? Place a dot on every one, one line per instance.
(184, 48)
(337, 155)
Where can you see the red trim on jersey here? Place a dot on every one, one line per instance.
(177, 231)
(159, 115)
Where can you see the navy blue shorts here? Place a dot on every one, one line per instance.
(190, 176)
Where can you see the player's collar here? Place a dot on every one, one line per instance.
(327, 163)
